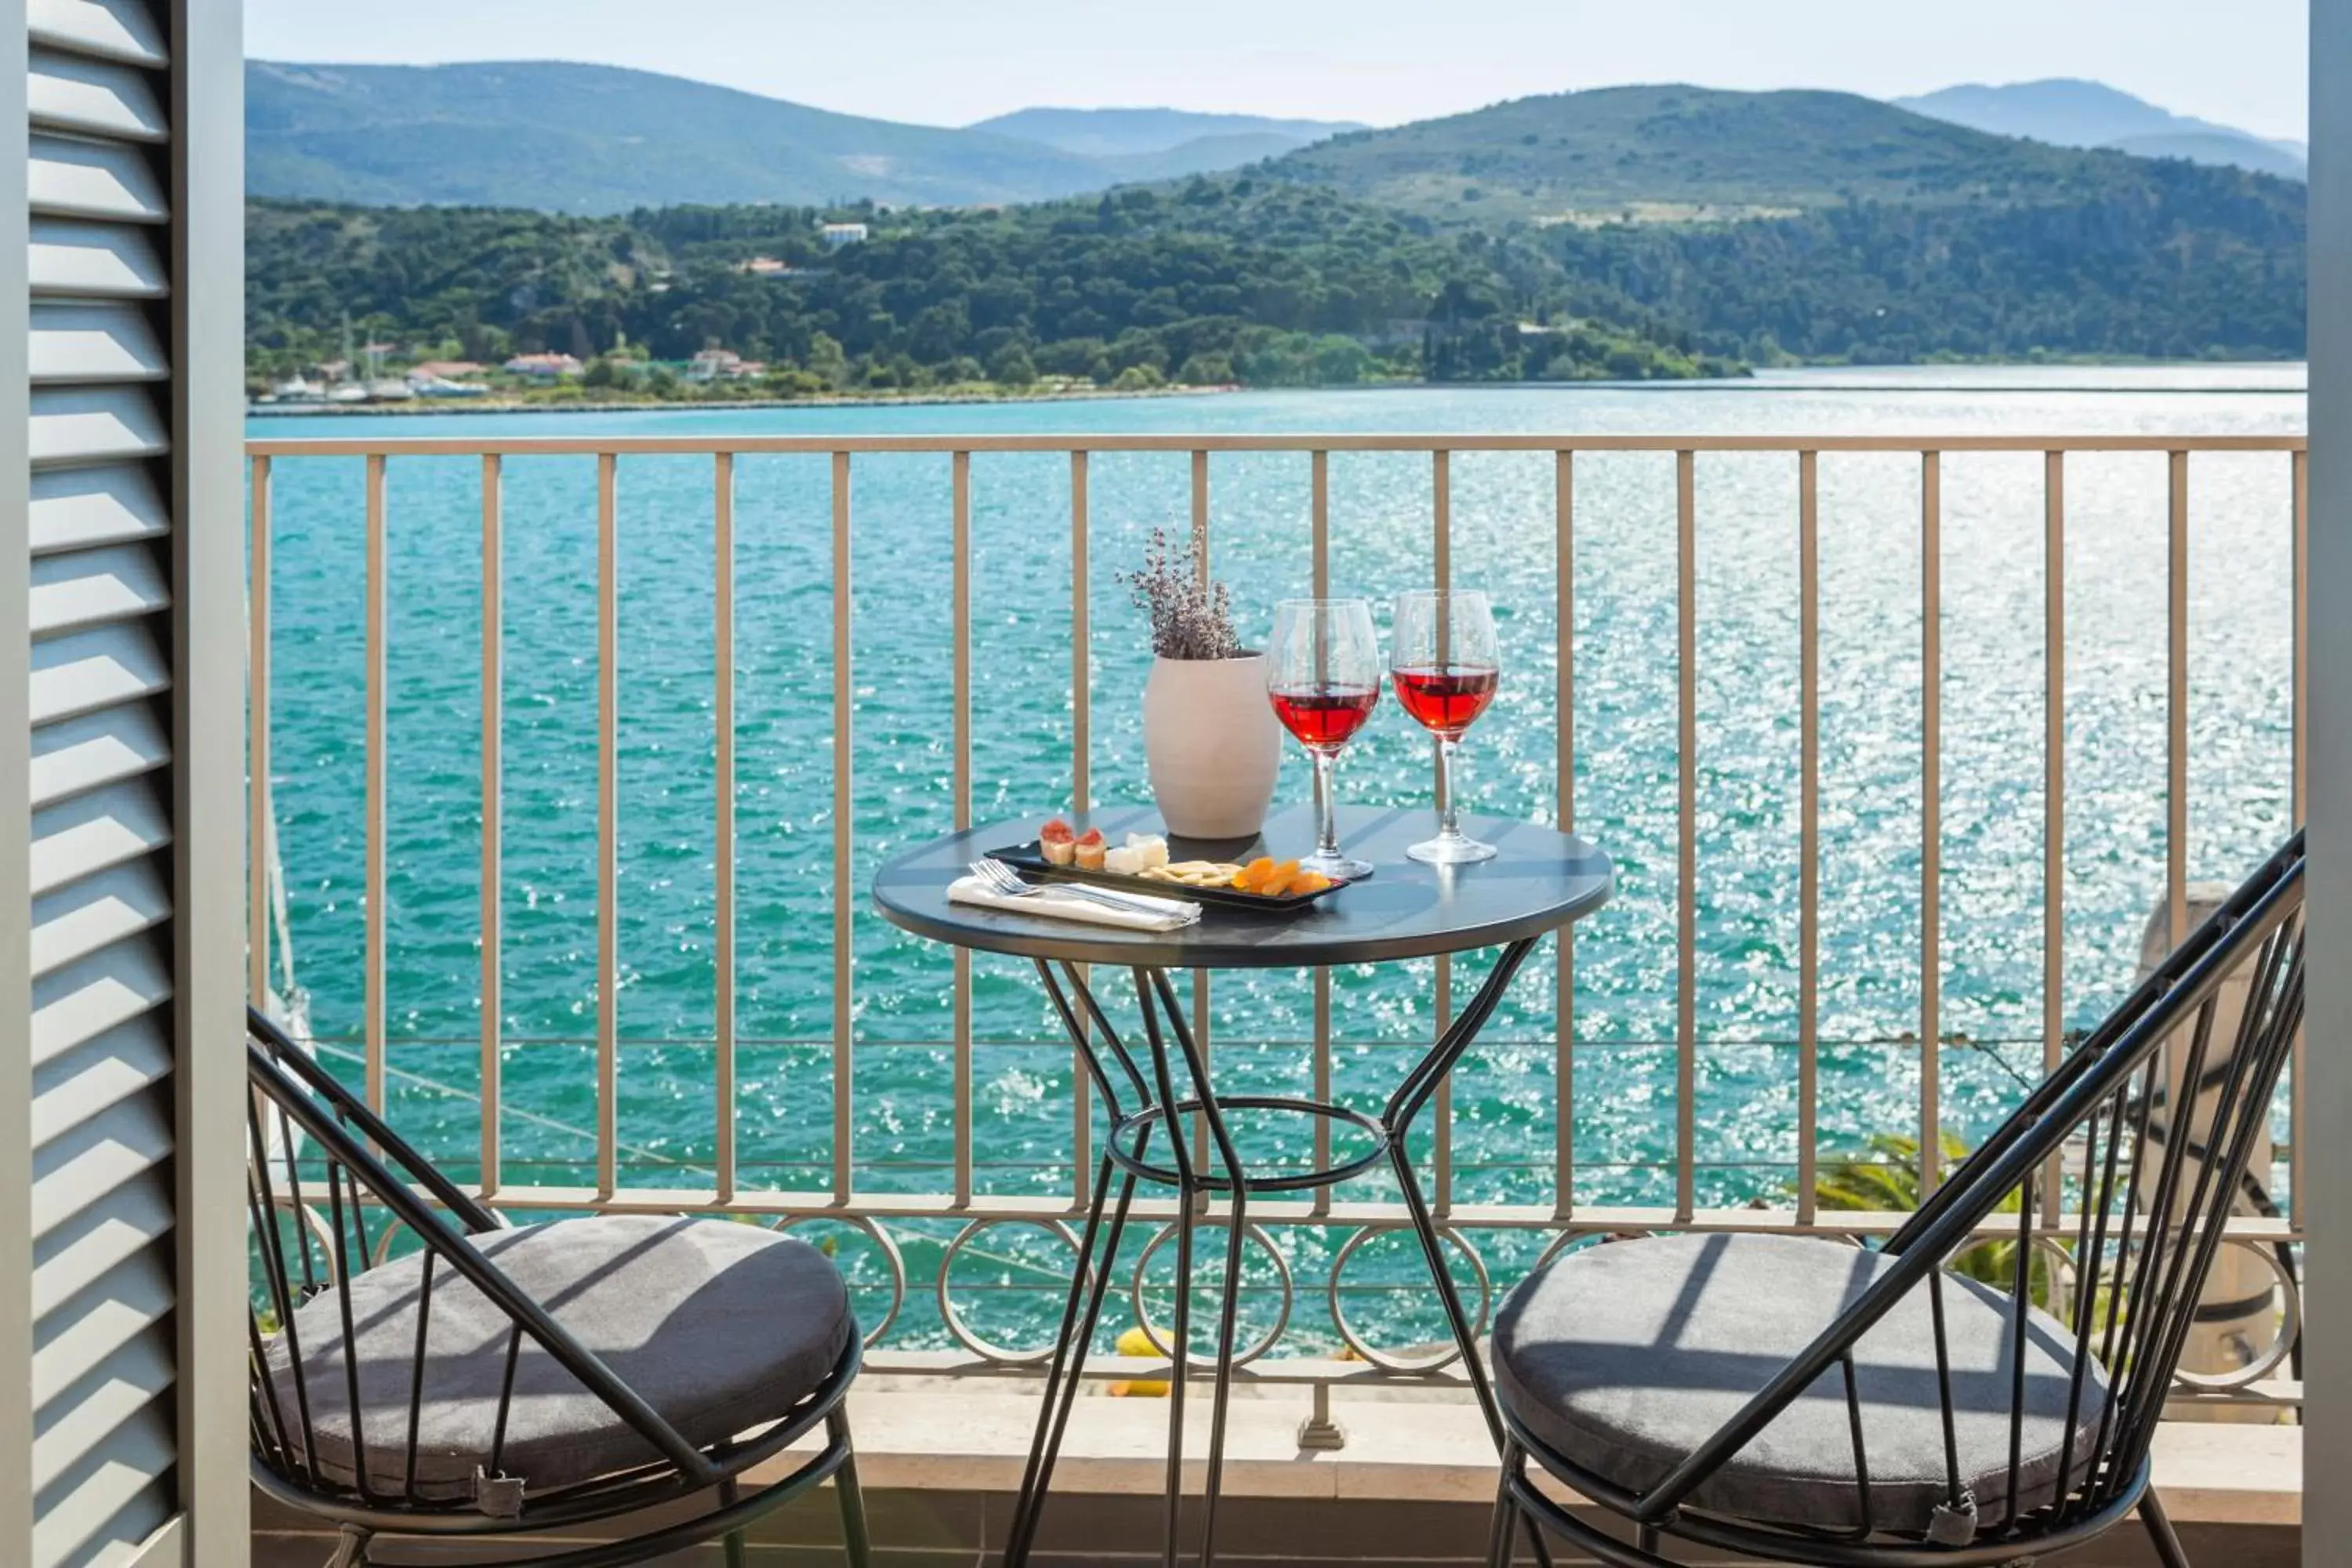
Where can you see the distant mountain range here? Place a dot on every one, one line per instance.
(1140, 132)
(2075, 113)
(600, 138)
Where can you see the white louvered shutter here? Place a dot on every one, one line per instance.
(104, 1207)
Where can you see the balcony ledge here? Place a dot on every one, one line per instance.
(941, 1460)
(1401, 1444)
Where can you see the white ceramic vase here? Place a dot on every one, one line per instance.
(1212, 744)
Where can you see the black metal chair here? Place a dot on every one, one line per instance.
(1803, 1400)
(494, 1382)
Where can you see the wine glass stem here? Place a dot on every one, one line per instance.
(1326, 815)
(1447, 825)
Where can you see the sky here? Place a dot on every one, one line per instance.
(950, 62)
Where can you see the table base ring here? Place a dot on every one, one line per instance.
(1140, 1123)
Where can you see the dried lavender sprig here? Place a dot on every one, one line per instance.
(1190, 619)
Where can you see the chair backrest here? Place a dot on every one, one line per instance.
(327, 1186)
(2117, 1220)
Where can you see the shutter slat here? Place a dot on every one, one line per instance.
(96, 750)
(91, 915)
(92, 426)
(79, 343)
(110, 1233)
(85, 1084)
(84, 671)
(94, 587)
(115, 1497)
(105, 991)
(94, 260)
(90, 833)
(93, 98)
(108, 29)
(112, 1147)
(110, 181)
(74, 508)
(126, 1300)
(93, 1080)
(84, 1419)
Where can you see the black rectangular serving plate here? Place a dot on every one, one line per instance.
(1030, 860)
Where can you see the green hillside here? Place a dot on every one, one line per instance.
(1255, 281)
(1673, 153)
(2180, 266)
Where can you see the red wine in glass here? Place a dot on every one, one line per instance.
(1445, 699)
(1443, 660)
(1323, 678)
(1326, 716)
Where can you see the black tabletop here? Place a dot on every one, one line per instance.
(1541, 881)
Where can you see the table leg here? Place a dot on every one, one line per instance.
(1403, 1106)
(1180, 1335)
(1236, 1224)
(1089, 1285)
(1077, 1337)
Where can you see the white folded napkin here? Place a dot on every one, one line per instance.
(1058, 903)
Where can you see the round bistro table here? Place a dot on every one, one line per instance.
(1541, 881)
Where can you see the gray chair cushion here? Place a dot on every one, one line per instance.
(1626, 1357)
(720, 1327)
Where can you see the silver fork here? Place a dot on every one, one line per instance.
(1000, 878)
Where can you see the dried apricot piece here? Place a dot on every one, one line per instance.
(1276, 881)
(1309, 882)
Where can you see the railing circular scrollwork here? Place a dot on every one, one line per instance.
(1242, 1355)
(2290, 1327)
(954, 1320)
(1379, 1358)
(884, 1243)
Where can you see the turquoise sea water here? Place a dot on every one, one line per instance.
(1505, 1104)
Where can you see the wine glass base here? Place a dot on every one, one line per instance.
(1454, 851)
(1338, 868)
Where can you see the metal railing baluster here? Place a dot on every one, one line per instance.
(960, 797)
(1931, 819)
(1564, 769)
(722, 716)
(259, 829)
(2176, 707)
(1202, 1032)
(1808, 828)
(1441, 1111)
(1319, 485)
(1082, 1125)
(493, 970)
(1685, 832)
(2054, 790)
(843, 809)
(378, 696)
(608, 822)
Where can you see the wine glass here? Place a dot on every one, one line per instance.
(1442, 657)
(1323, 676)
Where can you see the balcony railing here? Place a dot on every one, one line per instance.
(1542, 1201)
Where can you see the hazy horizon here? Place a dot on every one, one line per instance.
(1368, 60)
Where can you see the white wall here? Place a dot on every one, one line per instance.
(2327, 1098)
